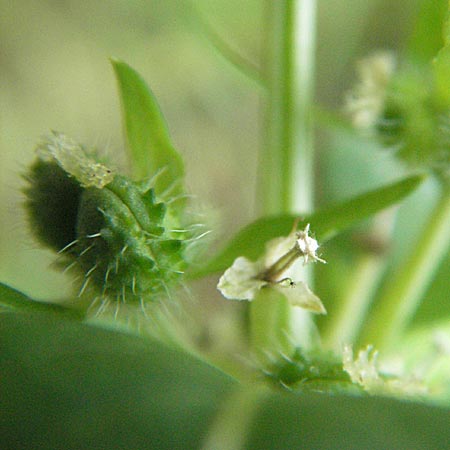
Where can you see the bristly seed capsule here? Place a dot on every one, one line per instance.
(126, 242)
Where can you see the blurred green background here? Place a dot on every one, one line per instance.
(55, 74)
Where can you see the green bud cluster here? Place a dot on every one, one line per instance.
(406, 107)
(304, 370)
(415, 120)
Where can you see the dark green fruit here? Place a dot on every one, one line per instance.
(125, 242)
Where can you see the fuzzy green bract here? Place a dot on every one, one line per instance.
(126, 237)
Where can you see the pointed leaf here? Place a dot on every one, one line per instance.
(14, 300)
(325, 224)
(149, 145)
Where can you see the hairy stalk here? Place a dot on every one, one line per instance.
(406, 288)
(285, 166)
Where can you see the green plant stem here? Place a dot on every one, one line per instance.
(302, 174)
(270, 326)
(226, 51)
(346, 323)
(285, 166)
(230, 429)
(406, 288)
(286, 159)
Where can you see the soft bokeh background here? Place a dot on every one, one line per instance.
(55, 74)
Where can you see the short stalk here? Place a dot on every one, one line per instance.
(274, 273)
(405, 290)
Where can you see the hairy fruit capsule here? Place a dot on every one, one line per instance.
(125, 241)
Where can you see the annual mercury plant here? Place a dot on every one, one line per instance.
(326, 335)
(128, 238)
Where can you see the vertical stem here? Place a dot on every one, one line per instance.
(344, 327)
(231, 426)
(367, 270)
(286, 160)
(275, 165)
(302, 173)
(404, 290)
(270, 326)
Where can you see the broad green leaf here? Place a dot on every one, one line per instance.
(150, 148)
(427, 37)
(66, 385)
(13, 300)
(325, 224)
(318, 421)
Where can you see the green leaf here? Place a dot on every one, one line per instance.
(325, 224)
(442, 75)
(149, 144)
(317, 421)
(16, 301)
(67, 385)
(442, 64)
(427, 37)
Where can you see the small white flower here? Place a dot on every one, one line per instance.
(364, 371)
(244, 279)
(239, 282)
(308, 246)
(365, 102)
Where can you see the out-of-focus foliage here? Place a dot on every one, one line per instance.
(54, 75)
(327, 223)
(67, 386)
(100, 388)
(84, 387)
